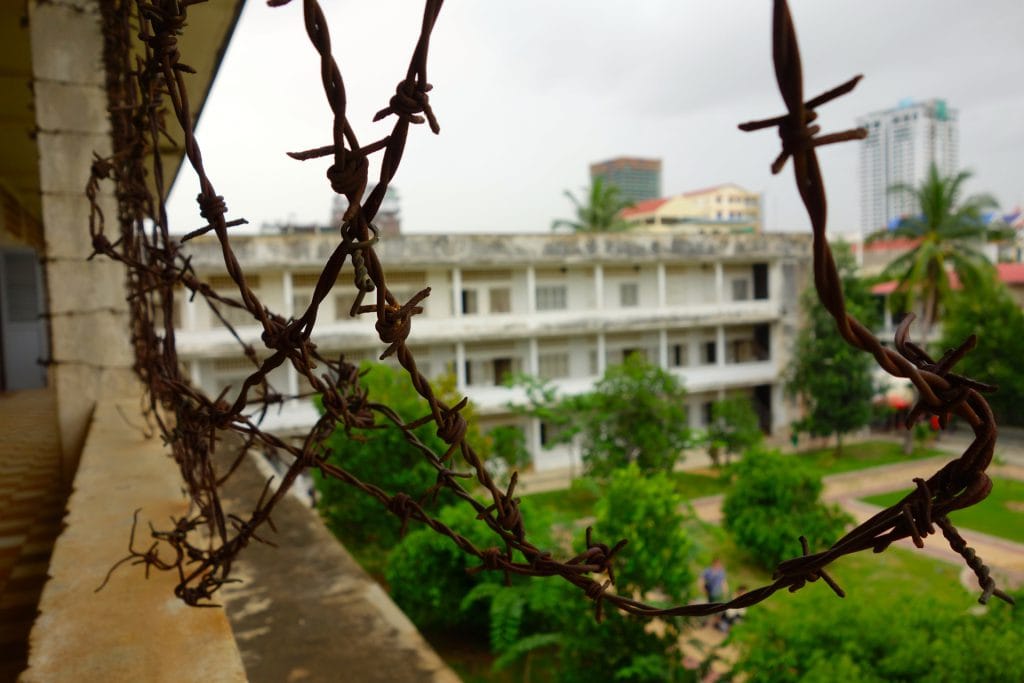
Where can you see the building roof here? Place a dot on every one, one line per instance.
(646, 206)
(1008, 274)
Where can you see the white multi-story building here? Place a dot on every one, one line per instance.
(901, 145)
(719, 311)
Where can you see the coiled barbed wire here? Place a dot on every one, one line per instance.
(144, 89)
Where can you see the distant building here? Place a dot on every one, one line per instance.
(388, 219)
(718, 311)
(721, 208)
(637, 179)
(901, 144)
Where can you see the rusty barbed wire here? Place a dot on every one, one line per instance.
(147, 86)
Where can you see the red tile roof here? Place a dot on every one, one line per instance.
(1009, 274)
(646, 206)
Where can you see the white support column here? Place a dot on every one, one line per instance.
(460, 366)
(719, 283)
(191, 307)
(599, 287)
(663, 349)
(662, 287)
(194, 370)
(533, 357)
(775, 281)
(288, 293)
(531, 290)
(602, 353)
(720, 345)
(293, 380)
(457, 296)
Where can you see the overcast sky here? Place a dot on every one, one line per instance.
(529, 92)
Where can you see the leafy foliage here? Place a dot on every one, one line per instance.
(773, 501)
(646, 510)
(427, 572)
(508, 444)
(383, 457)
(599, 212)
(634, 414)
(989, 311)
(833, 379)
(948, 232)
(888, 635)
(734, 428)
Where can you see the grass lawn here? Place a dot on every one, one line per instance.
(859, 456)
(1001, 514)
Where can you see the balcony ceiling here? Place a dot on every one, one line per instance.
(202, 46)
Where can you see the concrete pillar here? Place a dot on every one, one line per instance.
(599, 287)
(663, 349)
(533, 357)
(457, 293)
(719, 283)
(662, 287)
(460, 366)
(89, 315)
(602, 353)
(531, 290)
(191, 309)
(720, 346)
(288, 293)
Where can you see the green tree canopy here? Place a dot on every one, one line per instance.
(949, 231)
(833, 379)
(599, 212)
(773, 501)
(989, 311)
(383, 457)
(735, 427)
(884, 633)
(634, 413)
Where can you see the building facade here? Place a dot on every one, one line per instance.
(718, 311)
(901, 145)
(726, 208)
(637, 179)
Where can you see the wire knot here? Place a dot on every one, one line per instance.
(409, 101)
(452, 426)
(211, 206)
(595, 591)
(402, 506)
(349, 178)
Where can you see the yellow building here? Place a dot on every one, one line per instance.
(721, 208)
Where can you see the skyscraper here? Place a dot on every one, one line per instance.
(637, 179)
(901, 144)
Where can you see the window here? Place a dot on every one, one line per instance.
(551, 298)
(549, 434)
(501, 300)
(740, 290)
(469, 304)
(679, 355)
(629, 294)
(641, 353)
(707, 412)
(553, 365)
(760, 281)
(502, 370)
(710, 355)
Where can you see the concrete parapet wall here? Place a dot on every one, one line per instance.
(134, 629)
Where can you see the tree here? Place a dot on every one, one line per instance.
(643, 508)
(833, 379)
(947, 232)
(599, 213)
(989, 311)
(383, 457)
(735, 428)
(634, 413)
(773, 501)
(890, 632)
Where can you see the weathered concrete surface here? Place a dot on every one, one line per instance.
(308, 612)
(135, 629)
(275, 251)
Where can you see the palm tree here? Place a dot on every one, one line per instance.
(947, 235)
(600, 213)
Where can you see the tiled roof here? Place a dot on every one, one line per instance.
(646, 206)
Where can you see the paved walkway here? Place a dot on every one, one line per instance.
(32, 501)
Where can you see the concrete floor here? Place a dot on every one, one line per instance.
(32, 500)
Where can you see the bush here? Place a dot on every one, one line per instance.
(773, 501)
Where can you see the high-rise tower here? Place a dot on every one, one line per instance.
(901, 144)
(637, 179)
